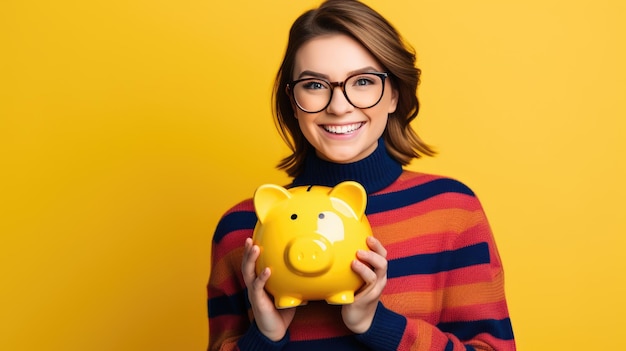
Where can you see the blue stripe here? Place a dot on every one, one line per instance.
(450, 347)
(344, 343)
(500, 329)
(234, 221)
(225, 305)
(439, 262)
(391, 201)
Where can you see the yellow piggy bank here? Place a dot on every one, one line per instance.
(308, 237)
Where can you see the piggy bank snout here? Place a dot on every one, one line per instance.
(309, 255)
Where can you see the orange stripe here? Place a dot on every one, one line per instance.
(426, 303)
(429, 223)
(414, 304)
(424, 336)
(222, 270)
(466, 295)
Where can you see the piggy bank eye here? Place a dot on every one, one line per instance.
(294, 216)
(320, 216)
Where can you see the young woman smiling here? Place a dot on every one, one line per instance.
(344, 97)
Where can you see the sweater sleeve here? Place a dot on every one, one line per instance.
(230, 323)
(392, 331)
(466, 309)
(480, 326)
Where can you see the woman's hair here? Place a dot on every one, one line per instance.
(380, 38)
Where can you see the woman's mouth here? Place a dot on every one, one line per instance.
(342, 129)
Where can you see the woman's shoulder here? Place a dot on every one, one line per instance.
(240, 217)
(427, 182)
(245, 205)
(426, 192)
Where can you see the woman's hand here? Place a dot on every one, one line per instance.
(372, 267)
(272, 322)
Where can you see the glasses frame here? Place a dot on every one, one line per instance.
(382, 75)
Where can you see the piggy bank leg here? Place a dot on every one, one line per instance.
(341, 298)
(286, 301)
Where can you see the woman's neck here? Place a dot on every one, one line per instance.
(375, 172)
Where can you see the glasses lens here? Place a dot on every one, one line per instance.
(364, 90)
(312, 95)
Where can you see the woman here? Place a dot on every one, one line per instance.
(344, 97)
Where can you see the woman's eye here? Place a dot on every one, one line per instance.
(314, 85)
(363, 81)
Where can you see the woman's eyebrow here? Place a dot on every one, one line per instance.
(312, 74)
(367, 69)
(308, 73)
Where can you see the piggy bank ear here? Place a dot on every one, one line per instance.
(351, 194)
(266, 196)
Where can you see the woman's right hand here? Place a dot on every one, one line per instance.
(271, 321)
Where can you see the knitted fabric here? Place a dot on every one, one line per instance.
(445, 287)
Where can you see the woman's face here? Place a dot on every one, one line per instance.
(341, 132)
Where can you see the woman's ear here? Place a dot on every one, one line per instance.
(393, 104)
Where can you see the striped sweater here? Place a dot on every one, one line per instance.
(445, 287)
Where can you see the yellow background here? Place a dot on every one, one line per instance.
(128, 127)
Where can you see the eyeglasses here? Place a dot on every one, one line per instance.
(362, 90)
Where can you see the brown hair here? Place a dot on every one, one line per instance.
(376, 34)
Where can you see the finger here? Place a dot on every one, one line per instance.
(261, 279)
(377, 262)
(248, 263)
(365, 272)
(376, 246)
(247, 253)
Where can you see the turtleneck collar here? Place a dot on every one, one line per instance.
(375, 172)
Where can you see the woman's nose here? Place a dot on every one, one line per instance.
(339, 104)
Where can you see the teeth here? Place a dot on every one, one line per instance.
(342, 129)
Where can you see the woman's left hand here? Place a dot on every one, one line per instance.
(372, 267)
